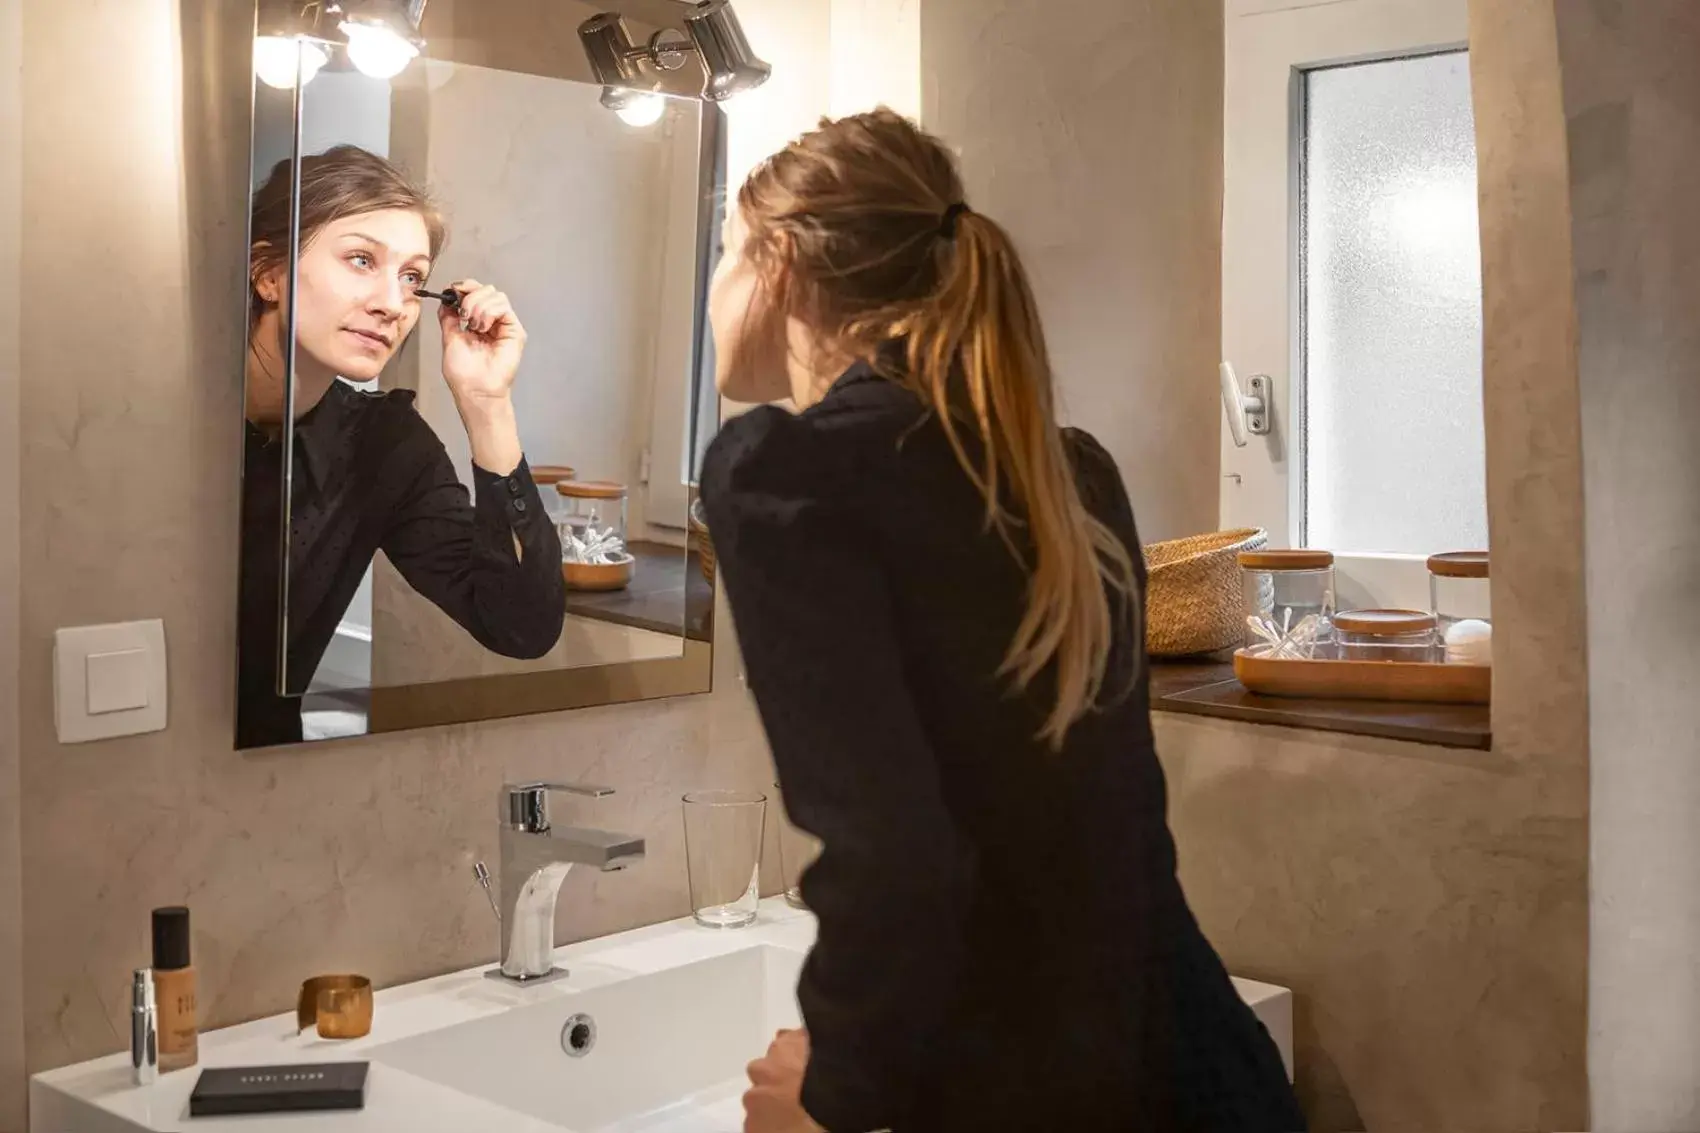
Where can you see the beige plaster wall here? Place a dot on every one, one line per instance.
(1095, 136)
(11, 883)
(1531, 395)
(1632, 107)
(1428, 909)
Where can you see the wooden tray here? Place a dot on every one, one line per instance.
(1366, 680)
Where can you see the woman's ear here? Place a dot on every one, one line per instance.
(267, 281)
(746, 311)
(768, 339)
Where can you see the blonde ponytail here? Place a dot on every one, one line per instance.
(877, 246)
(984, 330)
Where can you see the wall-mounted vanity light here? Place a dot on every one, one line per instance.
(732, 67)
(383, 35)
(380, 36)
(614, 61)
(712, 33)
(287, 39)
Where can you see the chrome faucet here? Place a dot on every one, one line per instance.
(535, 858)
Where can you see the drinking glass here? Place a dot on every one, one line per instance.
(723, 834)
(797, 852)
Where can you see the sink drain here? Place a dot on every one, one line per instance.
(578, 1036)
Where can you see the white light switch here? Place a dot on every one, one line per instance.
(117, 682)
(109, 680)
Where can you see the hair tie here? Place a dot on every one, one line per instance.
(947, 224)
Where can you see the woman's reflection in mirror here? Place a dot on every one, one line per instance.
(369, 473)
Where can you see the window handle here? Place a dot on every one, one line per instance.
(1248, 409)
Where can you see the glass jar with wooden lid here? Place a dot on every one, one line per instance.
(592, 515)
(1283, 588)
(546, 476)
(1387, 635)
(1458, 588)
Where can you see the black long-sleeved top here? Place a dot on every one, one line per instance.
(370, 475)
(1003, 942)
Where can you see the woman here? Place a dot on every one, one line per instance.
(938, 596)
(369, 474)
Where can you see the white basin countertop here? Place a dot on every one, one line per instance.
(435, 1042)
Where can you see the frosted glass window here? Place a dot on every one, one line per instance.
(1392, 309)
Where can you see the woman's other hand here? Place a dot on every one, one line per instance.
(772, 1104)
(482, 343)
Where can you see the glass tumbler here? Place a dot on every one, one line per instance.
(797, 852)
(723, 834)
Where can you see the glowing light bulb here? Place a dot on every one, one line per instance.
(643, 110)
(378, 51)
(277, 57)
(755, 105)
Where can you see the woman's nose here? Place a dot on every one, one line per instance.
(388, 298)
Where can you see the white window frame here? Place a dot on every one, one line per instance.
(1269, 44)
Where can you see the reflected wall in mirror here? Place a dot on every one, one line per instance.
(468, 471)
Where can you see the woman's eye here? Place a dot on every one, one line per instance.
(361, 260)
(413, 279)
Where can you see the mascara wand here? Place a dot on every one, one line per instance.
(448, 297)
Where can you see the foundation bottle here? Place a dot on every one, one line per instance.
(174, 989)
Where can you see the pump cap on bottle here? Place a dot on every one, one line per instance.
(171, 938)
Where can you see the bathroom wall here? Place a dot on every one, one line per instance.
(1429, 908)
(342, 856)
(876, 52)
(506, 154)
(1632, 102)
(11, 882)
(339, 107)
(1095, 135)
(1531, 396)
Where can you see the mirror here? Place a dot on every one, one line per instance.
(468, 470)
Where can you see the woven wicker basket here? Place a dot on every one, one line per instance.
(1192, 600)
(705, 545)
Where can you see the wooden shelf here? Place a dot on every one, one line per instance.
(1208, 688)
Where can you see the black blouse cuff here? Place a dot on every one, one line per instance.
(513, 496)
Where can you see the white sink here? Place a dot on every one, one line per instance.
(660, 1052)
(678, 1011)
